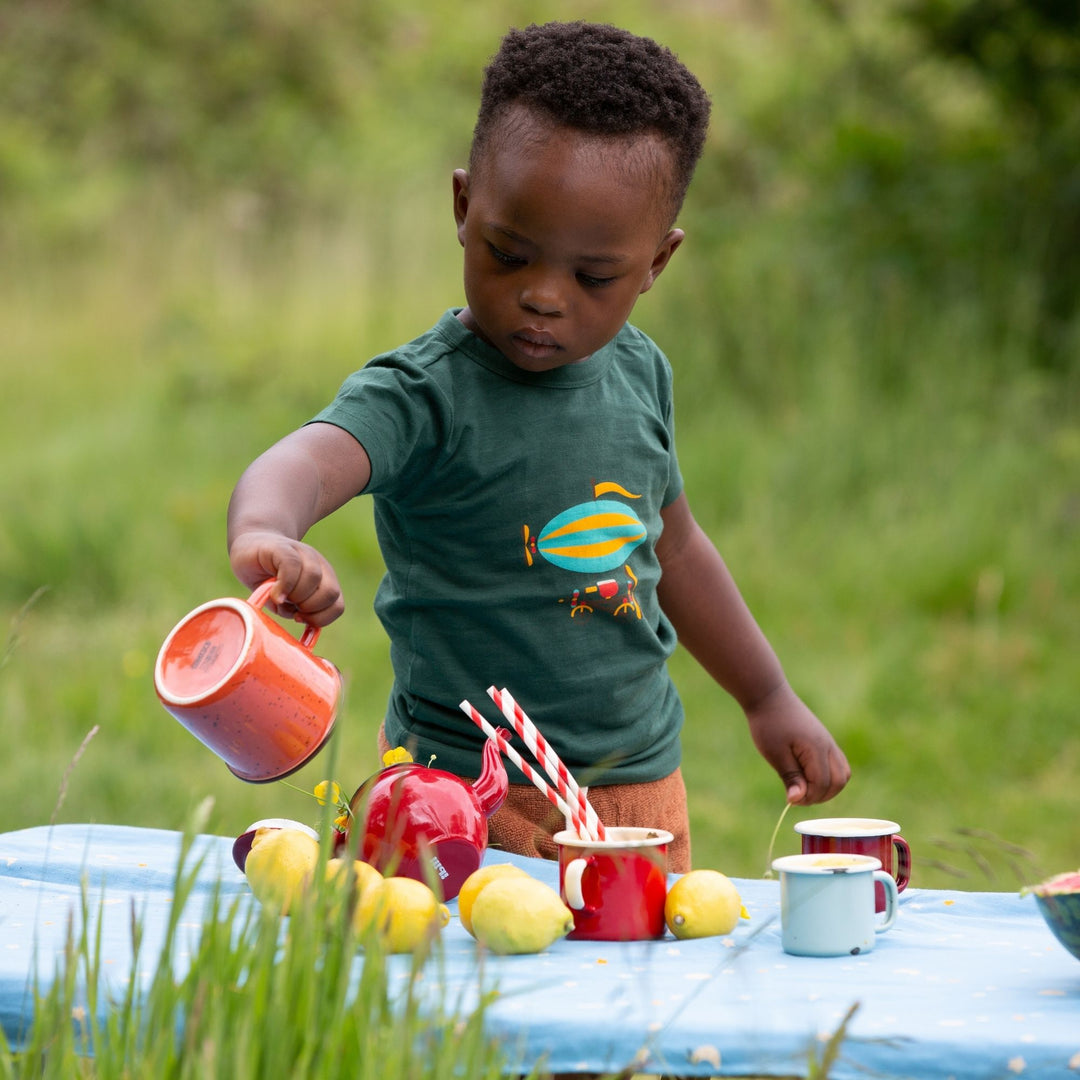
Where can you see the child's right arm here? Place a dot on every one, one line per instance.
(286, 490)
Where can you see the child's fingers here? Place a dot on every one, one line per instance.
(796, 790)
(314, 595)
(322, 606)
(826, 774)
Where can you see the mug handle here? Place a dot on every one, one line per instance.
(903, 862)
(892, 900)
(262, 594)
(575, 869)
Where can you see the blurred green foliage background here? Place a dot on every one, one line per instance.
(213, 210)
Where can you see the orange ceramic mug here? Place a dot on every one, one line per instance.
(246, 688)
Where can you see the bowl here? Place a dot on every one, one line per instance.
(1058, 900)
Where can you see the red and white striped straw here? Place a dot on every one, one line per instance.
(552, 764)
(502, 741)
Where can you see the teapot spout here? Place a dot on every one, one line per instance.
(491, 788)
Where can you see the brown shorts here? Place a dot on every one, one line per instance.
(526, 822)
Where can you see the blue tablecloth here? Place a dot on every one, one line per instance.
(965, 985)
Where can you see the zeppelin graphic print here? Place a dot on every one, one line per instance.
(593, 538)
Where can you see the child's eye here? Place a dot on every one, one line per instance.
(505, 257)
(594, 282)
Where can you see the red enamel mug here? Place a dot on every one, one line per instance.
(616, 887)
(876, 837)
(247, 688)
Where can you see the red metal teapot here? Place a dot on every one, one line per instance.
(414, 821)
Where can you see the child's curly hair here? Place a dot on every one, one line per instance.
(601, 80)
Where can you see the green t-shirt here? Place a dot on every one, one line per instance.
(518, 514)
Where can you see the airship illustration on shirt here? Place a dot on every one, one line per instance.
(592, 537)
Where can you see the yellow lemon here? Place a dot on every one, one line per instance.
(279, 866)
(364, 874)
(517, 913)
(703, 903)
(347, 880)
(470, 890)
(404, 913)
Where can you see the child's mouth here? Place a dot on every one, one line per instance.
(536, 344)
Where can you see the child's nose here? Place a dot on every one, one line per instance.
(542, 294)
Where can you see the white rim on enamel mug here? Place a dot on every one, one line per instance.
(827, 863)
(615, 837)
(838, 826)
(245, 610)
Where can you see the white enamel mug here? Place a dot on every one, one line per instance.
(827, 903)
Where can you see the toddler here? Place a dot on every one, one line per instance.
(521, 457)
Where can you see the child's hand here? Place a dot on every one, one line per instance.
(799, 747)
(296, 482)
(307, 588)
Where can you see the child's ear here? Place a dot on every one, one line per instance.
(663, 256)
(461, 202)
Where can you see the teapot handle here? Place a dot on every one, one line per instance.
(258, 600)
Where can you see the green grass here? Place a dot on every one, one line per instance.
(258, 996)
(863, 428)
(891, 479)
(909, 549)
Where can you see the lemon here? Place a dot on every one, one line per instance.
(364, 874)
(405, 913)
(703, 903)
(516, 913)
(347, 880)
(470, 890)
(279, 866)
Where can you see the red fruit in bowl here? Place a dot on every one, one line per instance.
(1058, 899)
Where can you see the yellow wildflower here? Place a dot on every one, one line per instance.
(328, 791)
(398, 756)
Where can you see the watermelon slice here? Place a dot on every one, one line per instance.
(1058, 899)
(1060, 884)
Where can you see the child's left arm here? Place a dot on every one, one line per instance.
(700, 597)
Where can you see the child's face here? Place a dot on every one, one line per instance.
(561, 233)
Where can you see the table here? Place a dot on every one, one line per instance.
(965, 985)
